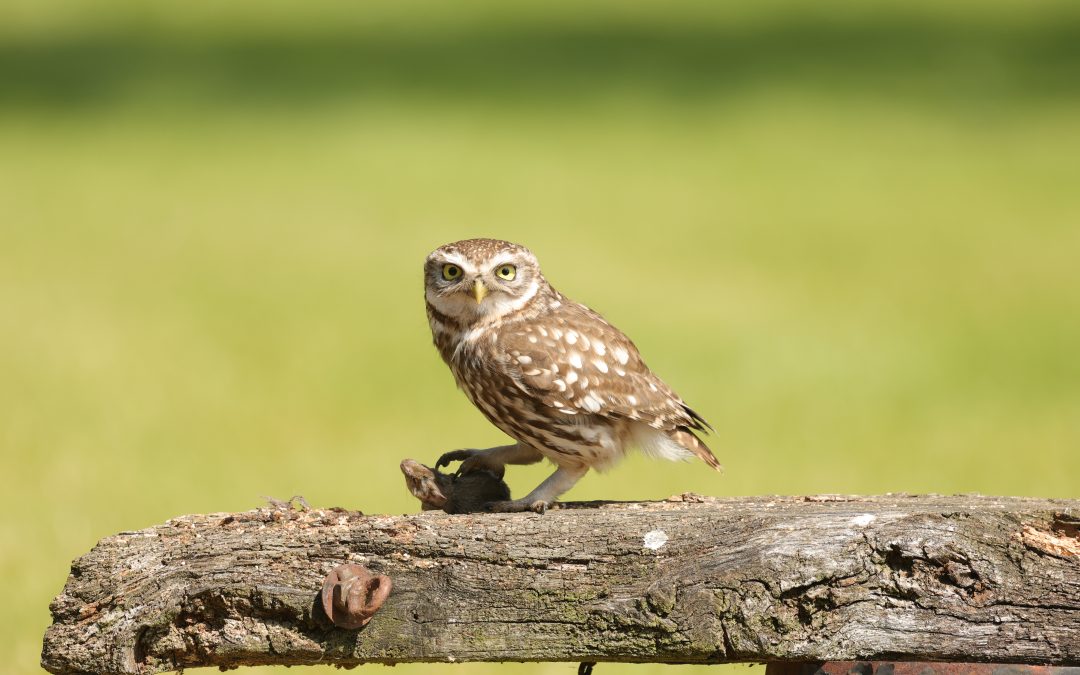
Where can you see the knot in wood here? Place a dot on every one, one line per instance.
(351, 595)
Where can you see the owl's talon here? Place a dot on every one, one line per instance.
(454, 456)
(519, 506)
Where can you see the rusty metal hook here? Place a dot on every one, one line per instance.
(351, 595)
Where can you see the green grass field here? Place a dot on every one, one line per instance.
(850, 237)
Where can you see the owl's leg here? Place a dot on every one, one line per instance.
(546, 493)
(492, 459)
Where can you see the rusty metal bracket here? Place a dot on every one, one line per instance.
(351, 595)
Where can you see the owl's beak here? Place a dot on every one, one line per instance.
(479, 290)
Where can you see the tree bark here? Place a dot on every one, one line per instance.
(689, 580)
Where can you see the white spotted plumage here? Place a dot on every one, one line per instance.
(549, 372)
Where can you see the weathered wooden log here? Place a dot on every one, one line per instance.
(689, 580)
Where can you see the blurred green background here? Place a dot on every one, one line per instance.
(847, 233)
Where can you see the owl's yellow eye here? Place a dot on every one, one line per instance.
(507, 272)
(451, 272)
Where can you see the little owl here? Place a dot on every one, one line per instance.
(548, 371)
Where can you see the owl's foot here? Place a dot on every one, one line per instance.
(446, 458)
(472, 460)
(520, 506)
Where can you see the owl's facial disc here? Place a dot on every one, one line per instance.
(472, 284)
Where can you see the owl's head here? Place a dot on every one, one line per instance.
(481, 278)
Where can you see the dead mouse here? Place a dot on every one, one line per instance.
(465, 493)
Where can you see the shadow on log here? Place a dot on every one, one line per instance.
(689, 580)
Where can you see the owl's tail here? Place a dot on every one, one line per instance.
(686, 438)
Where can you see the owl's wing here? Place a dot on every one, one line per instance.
(582, 365)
